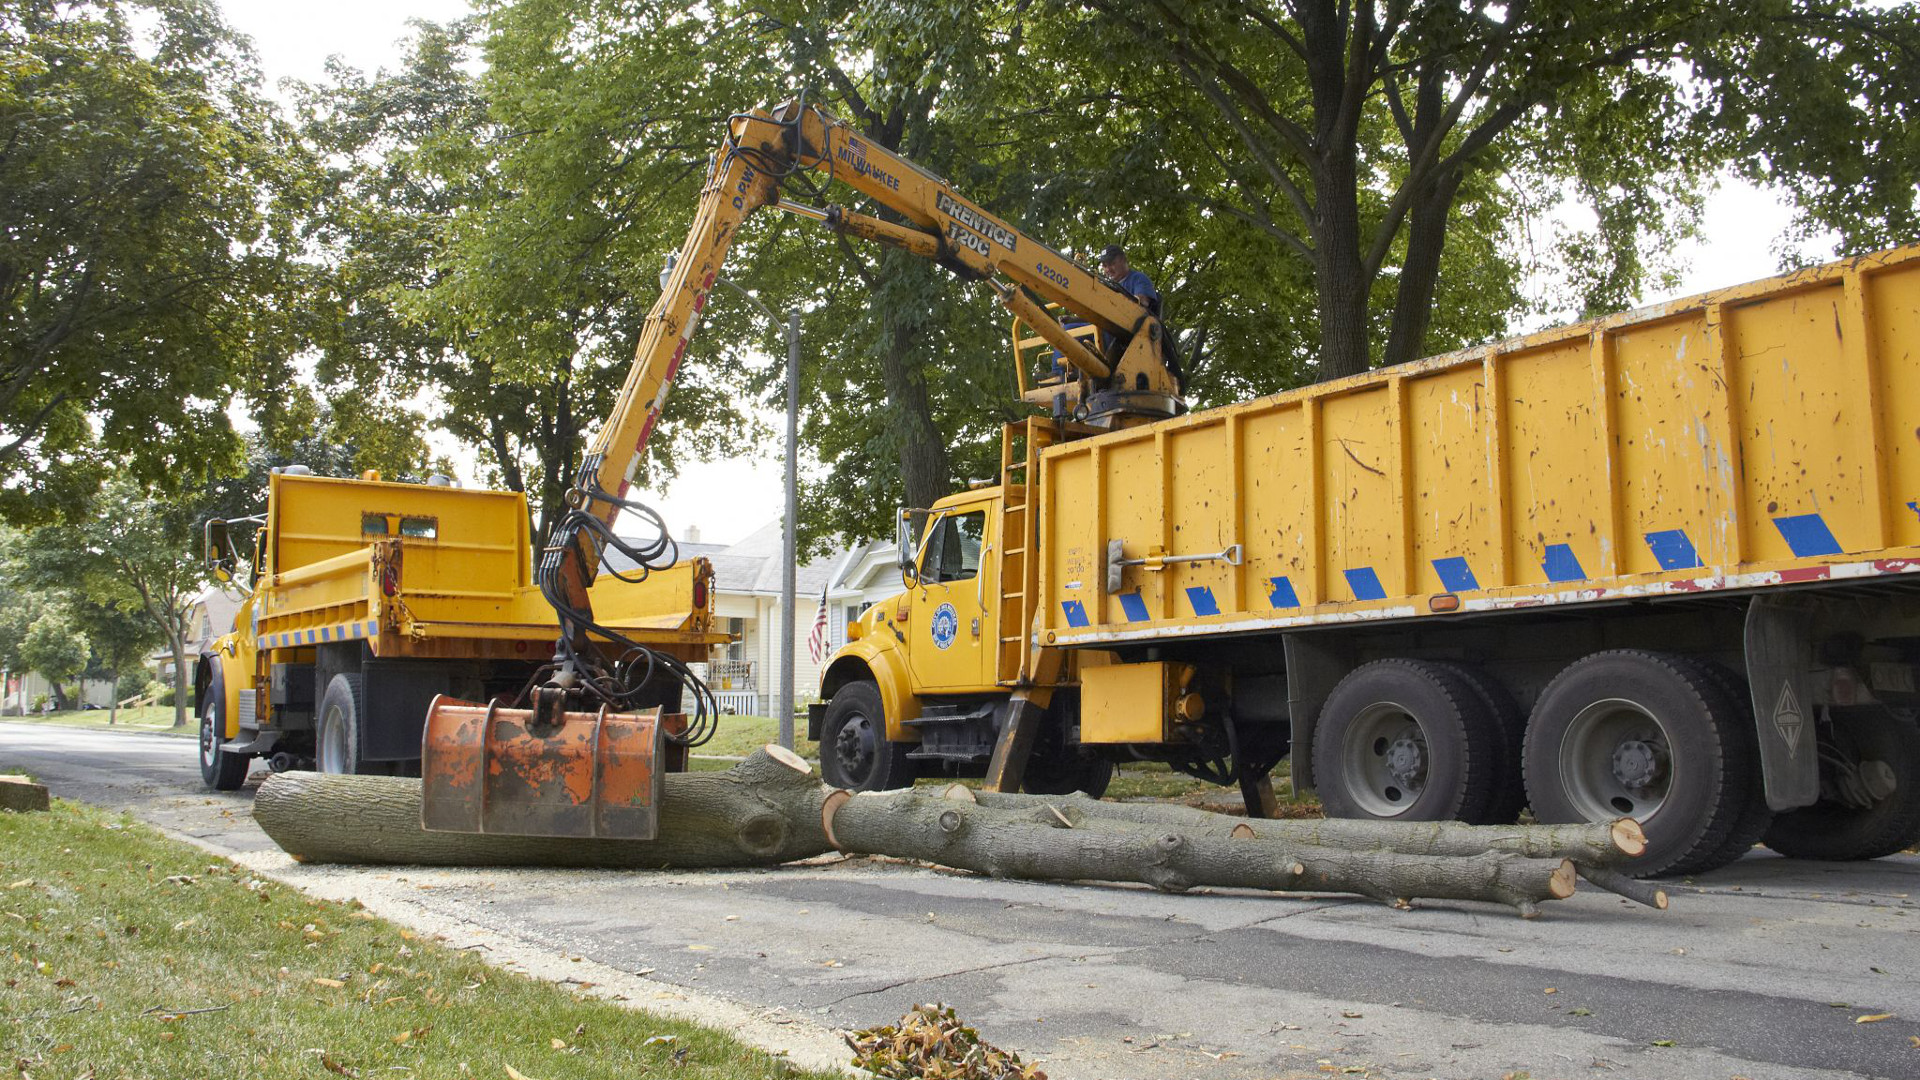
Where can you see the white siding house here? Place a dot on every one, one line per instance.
(747, 604)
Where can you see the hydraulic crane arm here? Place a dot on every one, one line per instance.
(1134, 376)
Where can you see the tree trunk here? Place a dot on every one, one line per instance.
(1420, 271)
(1342, 283)
(925, 472)
(177, 641)
(1010, 844)
(769, 809)
(762, 812)
(113, 706)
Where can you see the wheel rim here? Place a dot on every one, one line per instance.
(1387, 761)
(209, 741)
(333, 743)
(855, 748)
(1617, 761)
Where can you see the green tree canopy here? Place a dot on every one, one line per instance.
(141, 248)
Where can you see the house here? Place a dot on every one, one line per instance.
(209, 616)
(745, 675)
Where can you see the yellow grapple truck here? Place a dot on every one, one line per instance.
(368, 599)
(1664, 564)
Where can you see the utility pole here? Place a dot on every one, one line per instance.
(789, 528)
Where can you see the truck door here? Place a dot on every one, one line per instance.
(953, 635)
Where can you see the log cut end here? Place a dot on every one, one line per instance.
(788, 758)
(1629, 837)
(1560, 885)
(828, 807)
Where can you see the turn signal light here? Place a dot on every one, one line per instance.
(1445, 601)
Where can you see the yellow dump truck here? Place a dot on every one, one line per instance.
(369, 598)
(1663, 564)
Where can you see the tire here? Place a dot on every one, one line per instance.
(1834, 831)
(1510, 728)
(219, 769)
(1646, 735)
(1052, 776)
(1404, 740)
(854, 751)
(336, 727)
(1758, 816)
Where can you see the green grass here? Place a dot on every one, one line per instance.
(146, 718)
(739, 736)
(113, 940)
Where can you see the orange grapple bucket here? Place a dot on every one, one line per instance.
(486, 769)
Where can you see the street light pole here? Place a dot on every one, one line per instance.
(789, 530)
(789, 542)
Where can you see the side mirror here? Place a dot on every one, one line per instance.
(219, 549)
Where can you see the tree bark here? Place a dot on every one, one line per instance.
(762, 812)
(1011, 844)
(769, 809)
(180, 684)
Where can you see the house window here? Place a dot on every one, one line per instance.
(737, 648)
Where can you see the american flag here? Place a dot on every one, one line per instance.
(817, 637)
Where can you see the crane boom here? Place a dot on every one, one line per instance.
(1133, 377)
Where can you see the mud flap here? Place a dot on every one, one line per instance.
(1780, 665)
(486, 769)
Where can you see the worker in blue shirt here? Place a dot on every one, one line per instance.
(1113, 264)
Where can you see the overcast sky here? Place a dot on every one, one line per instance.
(726, 500)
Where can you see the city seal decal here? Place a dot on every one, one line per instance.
(946, 624)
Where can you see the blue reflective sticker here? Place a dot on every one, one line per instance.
(1455, 574)
(1365, 584)
(1076, 612)
(1561, 564)
(1673, 550)
(1807, 535)
(945, 624)
(1134, 606)
(1282, 594)
(1201, 597)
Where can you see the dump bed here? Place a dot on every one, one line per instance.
(419, 570)
(1755, 437)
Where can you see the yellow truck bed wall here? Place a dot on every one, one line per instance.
(1762, 435)
(464, 568)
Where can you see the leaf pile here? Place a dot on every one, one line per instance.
(930, 1043)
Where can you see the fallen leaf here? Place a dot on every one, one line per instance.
(1872, 1018)
(335, 983)
(655, 1040)
(558, 1044)
(1351, 1015)
(699, 948)
(1663, 1042)
(1552, 990)
(1915, 1040)
(515, 1074)
(1581, 1011)
(168, 1036)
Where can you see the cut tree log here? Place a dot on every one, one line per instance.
(1011, 843)
(762, 812)
(770, 809)
(21, 795)
(1605, 843)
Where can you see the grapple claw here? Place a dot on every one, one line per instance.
(486, 769)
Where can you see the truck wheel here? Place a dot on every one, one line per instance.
(219, 770)
(1510, 727)
(854, 751)
(1646, 735)
(1404, 740)
(1757, 816)
(336, 729)
(1870, 763)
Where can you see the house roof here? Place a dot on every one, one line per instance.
(754, 564)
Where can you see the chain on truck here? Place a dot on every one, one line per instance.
(1664, 564)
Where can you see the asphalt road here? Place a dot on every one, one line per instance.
(1757, 971)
